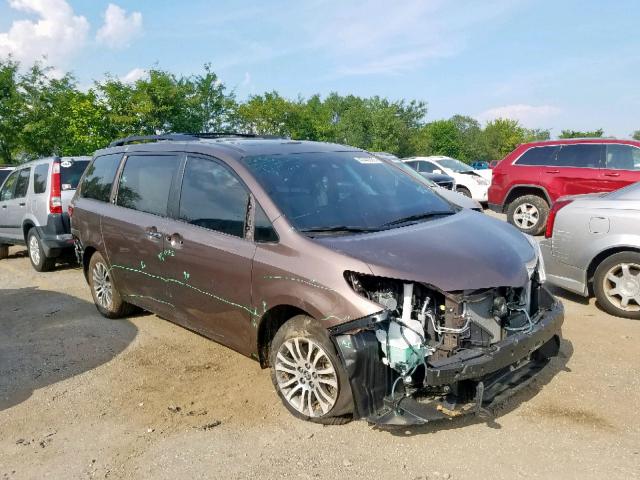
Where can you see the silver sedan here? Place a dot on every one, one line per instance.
(592, 246)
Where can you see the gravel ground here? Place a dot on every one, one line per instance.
(85, 397)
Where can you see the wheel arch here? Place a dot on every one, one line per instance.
(521, 190)
(601, 257)
(27, 225)
(87, 253)
(269, 324)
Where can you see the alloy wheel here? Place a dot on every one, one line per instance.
(306, 377)
(34, 250)
(526, 216)
(102, 285)
(621, 286)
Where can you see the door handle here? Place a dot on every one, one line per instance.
(4, 206)
(175, 240)
(612, 174)
(153, 233)
(553, 171)
(22, 204)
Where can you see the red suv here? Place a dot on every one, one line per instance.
(534, 175)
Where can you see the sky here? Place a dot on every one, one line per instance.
(571, 64)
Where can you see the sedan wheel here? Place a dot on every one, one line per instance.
(306, 377)
(622, 286)
(616, 284)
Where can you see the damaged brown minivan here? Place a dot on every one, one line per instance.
(367, 293)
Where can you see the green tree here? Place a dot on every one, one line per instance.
(579, 134)
(441, 137)
(500, 137)
(470, 138)
(11, 110)
(636, 135)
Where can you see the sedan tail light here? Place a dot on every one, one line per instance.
(552, 216)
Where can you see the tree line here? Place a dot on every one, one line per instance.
(43, 115)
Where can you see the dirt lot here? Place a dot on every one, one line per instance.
(84, 397)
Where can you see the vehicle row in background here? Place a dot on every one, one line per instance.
(469, 182)
(592, 247)
(33, 208)
(528, 180)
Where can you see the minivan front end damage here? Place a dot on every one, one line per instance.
(431, 355)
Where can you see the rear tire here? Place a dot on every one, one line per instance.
(105, 294)
(4, 251)
(39, 260)
(307, 374)
(528, 214)
(616, 284)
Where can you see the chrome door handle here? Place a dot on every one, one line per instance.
(612, 174)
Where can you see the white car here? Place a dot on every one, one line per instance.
(468, 181)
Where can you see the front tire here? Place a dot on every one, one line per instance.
(39, 261)
(528, 214)
(105, 294)
(616, 284)
(464, 191)
(307, 374)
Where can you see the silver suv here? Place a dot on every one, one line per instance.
(33, 208)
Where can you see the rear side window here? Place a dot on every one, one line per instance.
(427, 167)
(40, 176)
(22, 183)
(7, 189)
(580, 156)
(539, 156)
(70, 173)
(623, 157)
(213, 198)
(99, 177)
(146, 181)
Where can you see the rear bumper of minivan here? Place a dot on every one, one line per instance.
(468, 382)
(55, 236)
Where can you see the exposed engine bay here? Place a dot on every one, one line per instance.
(429, 339)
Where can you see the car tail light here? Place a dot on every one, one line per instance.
(552, 216)
(55, 196)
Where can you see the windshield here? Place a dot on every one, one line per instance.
(455, 165)
(326, 190)
(70, 173)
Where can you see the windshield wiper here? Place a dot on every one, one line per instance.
(419, 216)
(339, 229)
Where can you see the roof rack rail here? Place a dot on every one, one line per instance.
(184, 137)
(175, 137)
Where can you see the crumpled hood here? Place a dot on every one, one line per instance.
(465, 251)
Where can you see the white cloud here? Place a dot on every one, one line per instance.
(528, 115)
(56, 34)
(247, 79)
(119, 29)
(134, 75)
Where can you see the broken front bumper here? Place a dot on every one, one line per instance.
(493, 373)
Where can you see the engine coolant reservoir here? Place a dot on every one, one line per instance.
(402, 346)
